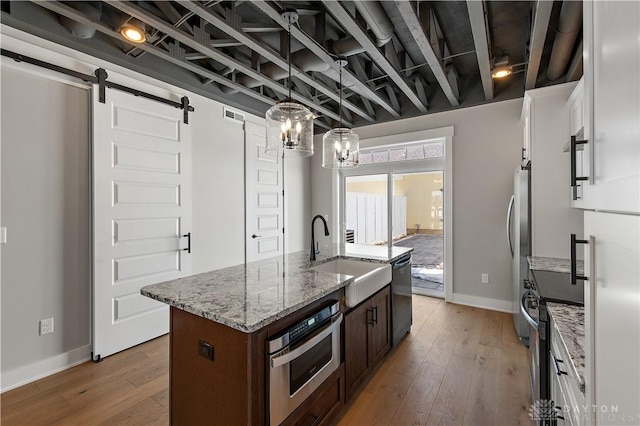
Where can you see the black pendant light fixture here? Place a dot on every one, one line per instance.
(289, 123)
(340, 145)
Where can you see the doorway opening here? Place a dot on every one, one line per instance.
(423, 215)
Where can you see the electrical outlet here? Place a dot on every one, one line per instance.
(46, 326)
(485, 278)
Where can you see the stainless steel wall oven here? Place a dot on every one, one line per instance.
(301, 359)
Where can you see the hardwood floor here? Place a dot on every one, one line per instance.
(459, 365)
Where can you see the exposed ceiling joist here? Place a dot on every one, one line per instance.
(187, 40)
(267, 53)
(409, 15)
(348, 22)
(536, 42)
(74, 14)
(478, 19)
(318, 50)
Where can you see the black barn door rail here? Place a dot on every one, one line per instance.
(100, 78)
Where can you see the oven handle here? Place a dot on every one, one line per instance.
(523, 309)
(289, 356)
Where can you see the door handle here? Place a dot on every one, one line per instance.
(254, 236)
(523, 309)
(574, 267)
(509, 211)
(574, 178)
(188, 237)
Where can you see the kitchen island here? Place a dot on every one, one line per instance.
(220, 321)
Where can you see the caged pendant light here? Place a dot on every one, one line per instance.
(289, 123)
(340, 145)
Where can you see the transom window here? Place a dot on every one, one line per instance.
(402, 152)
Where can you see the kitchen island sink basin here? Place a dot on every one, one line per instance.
(369, 277)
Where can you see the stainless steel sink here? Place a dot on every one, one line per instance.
(368, 277)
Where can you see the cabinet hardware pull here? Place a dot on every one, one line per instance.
(188, 237)
(370, 321)
(316, 420)
(559, 410)
(254, 236)
(574, 267)
(574, 177)
(375, 315)
(557, 367)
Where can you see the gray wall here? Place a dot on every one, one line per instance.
(45, 207)
(45, 198)
(486, 152)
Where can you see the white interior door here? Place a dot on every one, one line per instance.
(141, 211)
(264, 200)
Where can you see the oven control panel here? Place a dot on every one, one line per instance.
(310, 323)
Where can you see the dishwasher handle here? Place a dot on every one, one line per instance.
(401, 263)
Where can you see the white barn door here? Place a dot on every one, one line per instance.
(264, 200)
(141, 212)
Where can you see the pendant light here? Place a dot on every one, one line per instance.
(340, 145)
(289, 123)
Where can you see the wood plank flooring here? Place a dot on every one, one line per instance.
(459, 365)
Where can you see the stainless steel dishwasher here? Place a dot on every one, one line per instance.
(401, 298)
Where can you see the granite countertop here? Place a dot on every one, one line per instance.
(569, 321)
(554, 264)
(251, 296)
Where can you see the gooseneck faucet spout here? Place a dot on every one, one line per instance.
(312, 256)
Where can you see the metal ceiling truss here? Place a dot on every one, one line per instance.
(397, 52)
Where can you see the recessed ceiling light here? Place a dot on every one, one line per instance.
(501, 72)
(133, 31)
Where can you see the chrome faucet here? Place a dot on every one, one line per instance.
(313, 236)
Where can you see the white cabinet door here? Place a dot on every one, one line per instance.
(141, 210)
(612, 323)
(615, 137)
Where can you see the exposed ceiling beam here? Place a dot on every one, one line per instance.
(349, 23)
(318, 50)
(575, 68)
(415, 28)
(187, 40)
(64, 10)
(267, 53)
(536, 42)
(478, 20)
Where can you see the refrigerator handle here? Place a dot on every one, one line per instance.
(509, 211)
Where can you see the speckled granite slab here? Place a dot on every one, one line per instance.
(553, 264)
(569, 321)
(249, 297)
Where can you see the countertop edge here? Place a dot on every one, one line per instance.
(581, 382)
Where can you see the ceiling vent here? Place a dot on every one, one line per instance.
(232, 115)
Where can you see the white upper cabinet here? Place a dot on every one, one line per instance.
(612, 105)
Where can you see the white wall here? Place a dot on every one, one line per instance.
(45, 207)
(486, 152)
(218, 206)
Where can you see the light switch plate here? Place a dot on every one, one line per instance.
(485, 278)
(3, 235)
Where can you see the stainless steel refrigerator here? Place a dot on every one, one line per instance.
(519, 239)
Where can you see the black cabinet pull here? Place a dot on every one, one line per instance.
(375, 315)
(574, 267)
(188, 236)
(574, 178)
(370, 321)
(556, 366)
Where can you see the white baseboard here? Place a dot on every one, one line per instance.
(32, 372)
(483, 302)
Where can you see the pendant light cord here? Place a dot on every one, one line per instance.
(289, 46)
(340, 105)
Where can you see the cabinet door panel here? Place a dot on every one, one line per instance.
(615, 180)
(356, 346)
(613, 312)
(381, 329)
